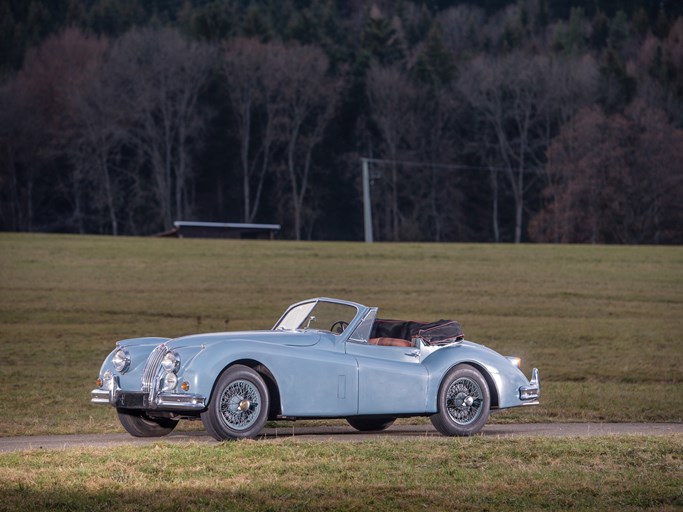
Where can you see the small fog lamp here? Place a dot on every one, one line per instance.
(170, 381)
(108, 380)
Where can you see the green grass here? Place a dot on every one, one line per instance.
(603, 324)
(608, 473)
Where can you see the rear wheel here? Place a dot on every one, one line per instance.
(239, 405)
(371, 423)
(138, 424)
(464, 402)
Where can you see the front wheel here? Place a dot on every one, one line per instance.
(463, 403)
(239, 406)
(371, 423)
(138, 424)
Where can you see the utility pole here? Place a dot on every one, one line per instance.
(367, 206)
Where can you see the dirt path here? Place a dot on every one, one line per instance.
(8, 444)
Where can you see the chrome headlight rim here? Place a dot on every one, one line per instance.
(171, 362)
(121, 360)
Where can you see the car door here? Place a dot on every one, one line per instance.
(316, 383)
(391, 380)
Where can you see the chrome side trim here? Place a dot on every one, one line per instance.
(533, 390)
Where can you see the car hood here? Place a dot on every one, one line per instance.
(291, 338)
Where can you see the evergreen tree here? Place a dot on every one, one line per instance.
(640, 22)
(617, 88)
(599, 31)
(570, 38)
(214, 21)
(381, 41)
(618, 30)
(304, 27)
(257, 23)
(434, 65)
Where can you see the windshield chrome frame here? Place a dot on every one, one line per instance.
(361, 311)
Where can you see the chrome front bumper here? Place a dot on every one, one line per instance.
(530, 393)
(137, 400)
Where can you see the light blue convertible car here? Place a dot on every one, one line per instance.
(324, 358)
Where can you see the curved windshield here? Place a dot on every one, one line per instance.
(319, 315)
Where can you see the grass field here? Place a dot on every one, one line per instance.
(631, 473)
(603, 324)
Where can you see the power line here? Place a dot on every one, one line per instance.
(436, 165)
(365, 161)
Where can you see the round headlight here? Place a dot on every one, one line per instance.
(121, 360)
(171, 362)
(170, 381)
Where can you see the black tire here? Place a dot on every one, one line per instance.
(371, 423)
(239, 405)
(138, 424)
(463, 403)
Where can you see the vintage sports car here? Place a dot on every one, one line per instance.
(324, 358)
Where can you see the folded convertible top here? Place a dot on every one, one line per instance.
(441, 332)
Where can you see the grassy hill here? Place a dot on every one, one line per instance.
(603, 324)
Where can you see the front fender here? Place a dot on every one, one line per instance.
(205, 364)
(499, 372)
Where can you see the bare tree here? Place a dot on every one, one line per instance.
(462, 26)
(252, 74)
(21, 132)
(392, 103)
(52, 73)
(438, 114)
(306, 101)
(98, 135)
(160, 77)
(521, 101)
(619, 180)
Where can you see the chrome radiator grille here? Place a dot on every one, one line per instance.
(152, 368)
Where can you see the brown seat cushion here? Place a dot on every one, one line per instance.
(390, 342)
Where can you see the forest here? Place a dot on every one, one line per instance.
(553, 121)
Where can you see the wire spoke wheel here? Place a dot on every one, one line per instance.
(240, 405)
(463, 401)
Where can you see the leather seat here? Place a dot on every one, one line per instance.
(390, 342)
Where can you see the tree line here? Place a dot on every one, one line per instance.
(495, 121)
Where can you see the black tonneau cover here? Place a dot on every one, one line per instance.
(440, 332)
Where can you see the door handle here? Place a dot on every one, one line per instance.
(415, 353)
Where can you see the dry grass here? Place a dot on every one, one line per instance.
(603, 324)
(629, 473)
